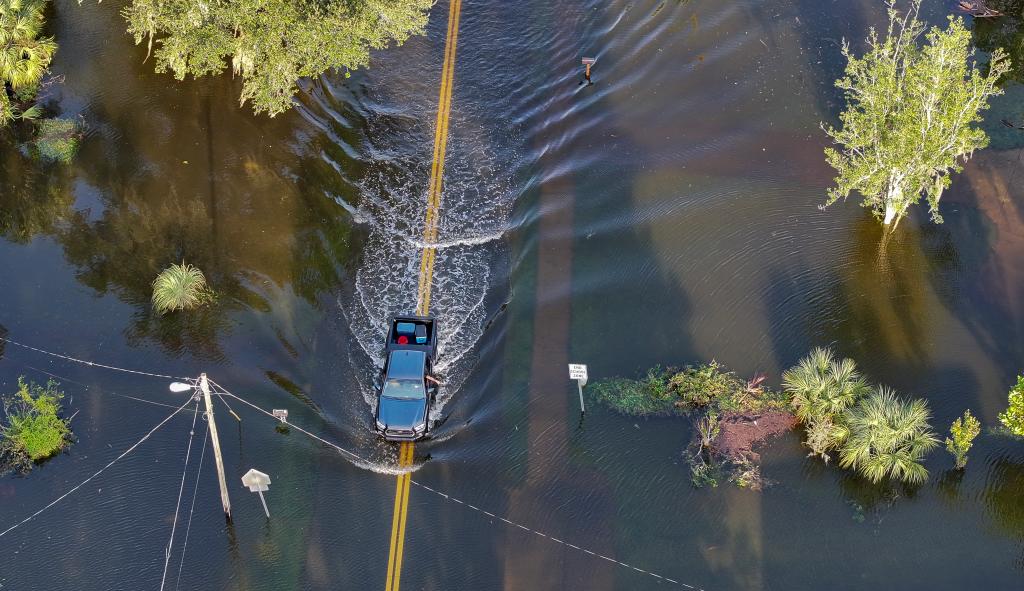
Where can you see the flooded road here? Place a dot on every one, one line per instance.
(667, 214)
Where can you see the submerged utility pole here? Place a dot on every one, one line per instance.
(225, 501)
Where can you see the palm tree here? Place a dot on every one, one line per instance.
(888, 437)
(822, 387)
(23, 56)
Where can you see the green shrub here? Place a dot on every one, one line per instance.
(34, 429)
(963, 431)
(56, 140)
(650, 395)
(887, 438)
(1013, 418)
(699, 385)
(180, 287)
(821, 388)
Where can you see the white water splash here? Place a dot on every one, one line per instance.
(475, 208)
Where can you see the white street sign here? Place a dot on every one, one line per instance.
(258, 482)
(578, 372)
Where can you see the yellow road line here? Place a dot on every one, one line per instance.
(430, 229)
(426, 278)
(401, 511)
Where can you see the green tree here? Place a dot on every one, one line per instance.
(1013, 418)
(821, 388)
(888, 438)
(271, 44)
(24, 56)
(962, 434)
(908, 122)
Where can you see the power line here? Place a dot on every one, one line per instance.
(192, 509)
(64, 379)
(469, 505)
(98, 472)
(90, 363)
(292, 425)
(181, 491)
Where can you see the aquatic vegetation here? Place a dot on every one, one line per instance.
(731, 415)
(180, 287)
(908, 122)
(270, 44)
(24, 56)
(962, 433)
(56, 140)
(888, 438)
(34, 430)
(1013, 417)
(647, 396)
(821, 388)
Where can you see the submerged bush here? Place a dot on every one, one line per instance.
(888, 438)
(34, 430)
(56, 140)
(821, 388)
(649, 395)
(180, 287)
(962, 434)
(1013, 418)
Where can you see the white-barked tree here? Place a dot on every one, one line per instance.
(910, 112)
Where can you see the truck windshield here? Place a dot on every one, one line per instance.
(405, 375)
(405, 389)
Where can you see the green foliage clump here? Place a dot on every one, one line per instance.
(271, 44)
(34, 430)
(1013, 418)
(647, 396)
(700, 385)
(24, 56)
(962, 433)
(56, 140)
(909, 121)
(180, 287)
(706, 386)
(821, 388)
(888, 438)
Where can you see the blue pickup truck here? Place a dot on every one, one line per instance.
(406, 387)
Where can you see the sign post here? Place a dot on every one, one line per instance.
(578, 372)
(258, 482)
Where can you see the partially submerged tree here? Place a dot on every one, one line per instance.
(24, 56)
(908, 124)
(271, 44)
(1013, 417)
(888, 438)
(821, 388)
(961, 437)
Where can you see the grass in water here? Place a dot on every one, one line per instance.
(180, 287)
(56, 140)
(34, 430)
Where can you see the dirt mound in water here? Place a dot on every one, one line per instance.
(739, 433)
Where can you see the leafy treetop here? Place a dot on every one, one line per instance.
(908, 123)
(271, 44)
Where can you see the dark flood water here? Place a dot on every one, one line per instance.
(667, 214)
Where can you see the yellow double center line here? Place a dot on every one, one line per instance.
(426, 279)
(400, 515)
